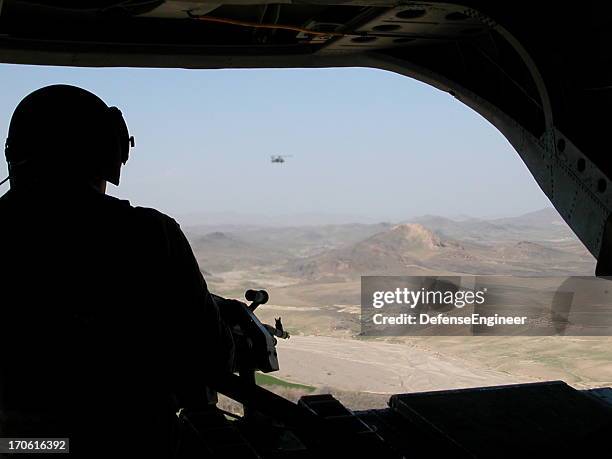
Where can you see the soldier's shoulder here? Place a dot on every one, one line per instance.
(154, 214)
(148, 224)
(153, 217)
(144, 213)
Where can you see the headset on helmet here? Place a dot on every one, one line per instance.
(66, 131)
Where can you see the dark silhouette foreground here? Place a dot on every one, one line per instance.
(106, 321)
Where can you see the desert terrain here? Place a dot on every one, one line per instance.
(312, 273)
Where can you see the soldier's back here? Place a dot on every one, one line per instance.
(85, 335)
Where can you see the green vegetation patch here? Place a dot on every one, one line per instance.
(263, 379)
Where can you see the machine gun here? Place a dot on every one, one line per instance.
(255, 341)
(255, 350)
(317, 426)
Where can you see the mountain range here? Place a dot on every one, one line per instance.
(535, 243)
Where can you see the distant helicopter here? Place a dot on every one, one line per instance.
(279, 158)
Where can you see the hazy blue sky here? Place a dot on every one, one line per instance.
(365, 143)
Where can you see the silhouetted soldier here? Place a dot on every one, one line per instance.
(104, 314)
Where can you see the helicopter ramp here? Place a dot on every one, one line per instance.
(525, 420)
